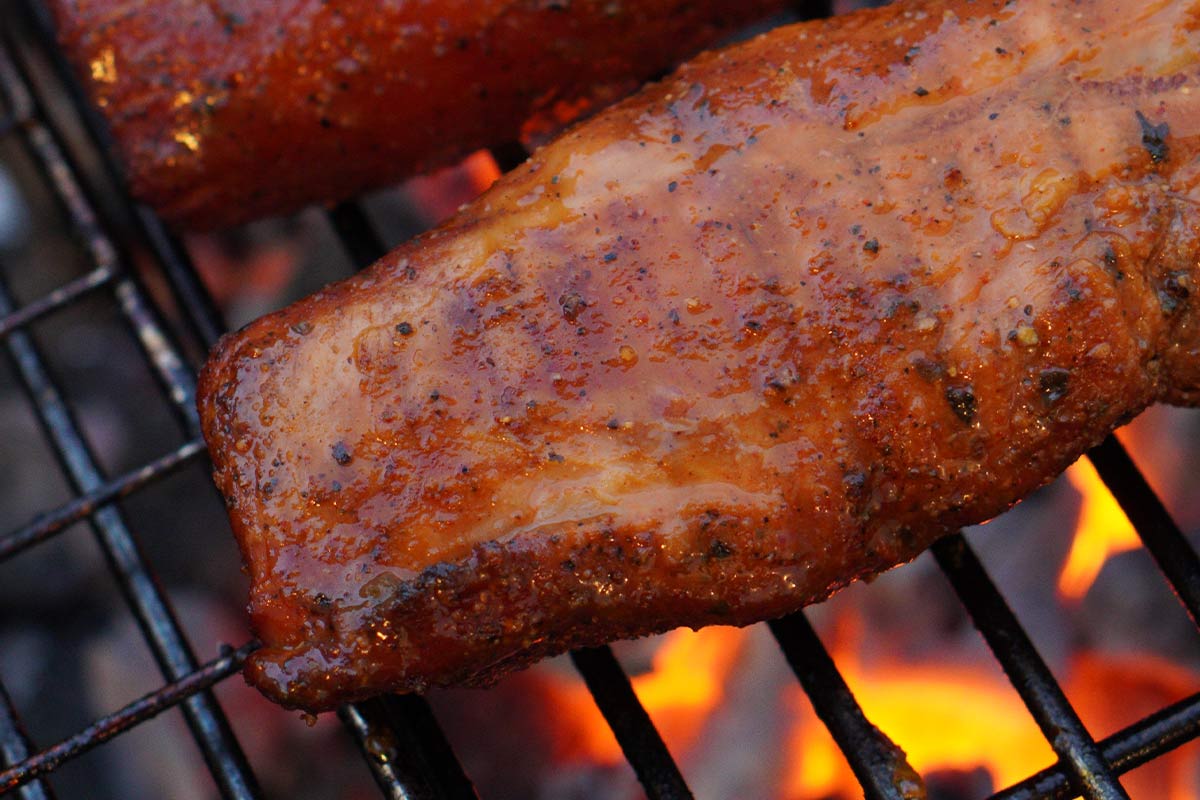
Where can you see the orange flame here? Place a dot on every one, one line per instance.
(685, 685)
(948, 716)
(943, 716)
(1113, 690)
(1101, 531)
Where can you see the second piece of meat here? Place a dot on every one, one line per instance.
(224, 113)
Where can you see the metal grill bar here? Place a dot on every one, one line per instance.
(509, 156)
(813, 9)
(60, 297)
(1125, 750)
(409, 755)
(46, 525)
(879, 764)
(357, 235)
(201, 313)
(45, 146)
(1161, 535)
(9, 123)
(173, 372)
(137, 712)
(154, 615)
(644, 749)
(1088, 772)
(15, 747)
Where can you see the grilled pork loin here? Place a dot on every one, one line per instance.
(772, 325)
(226, 112)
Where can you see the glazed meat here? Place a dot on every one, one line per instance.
(225, 112)
(770, 326)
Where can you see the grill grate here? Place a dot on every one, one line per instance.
(399, 737)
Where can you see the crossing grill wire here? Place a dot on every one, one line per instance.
(400, 740)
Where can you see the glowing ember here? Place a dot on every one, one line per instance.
(482, 169)
(440, 195)
(1102, 531)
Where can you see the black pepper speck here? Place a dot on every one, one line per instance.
(1173, 293)
(719, 549)
(1154, 138)
(962, 402)
(1054, 384)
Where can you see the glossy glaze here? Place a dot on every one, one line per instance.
(770, 326)
(226, 112)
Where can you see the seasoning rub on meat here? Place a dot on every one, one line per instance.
(225, 112)
(770, 326)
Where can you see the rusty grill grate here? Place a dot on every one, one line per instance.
(425, 766)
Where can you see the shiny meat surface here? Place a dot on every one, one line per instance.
(226, 112)
(770, 326)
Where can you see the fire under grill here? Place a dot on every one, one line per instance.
(399, 737)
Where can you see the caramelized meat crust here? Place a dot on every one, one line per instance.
(772, 325)
(226, 112)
